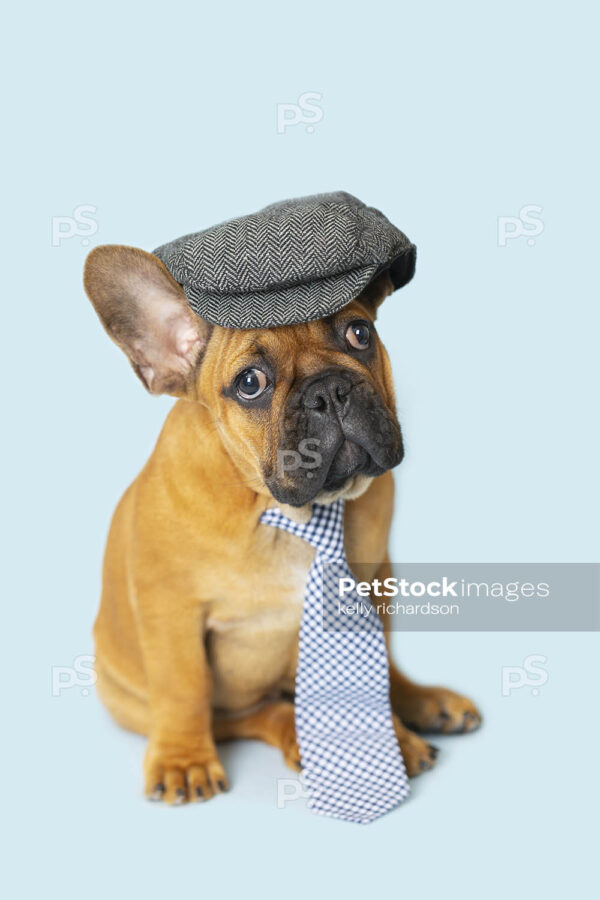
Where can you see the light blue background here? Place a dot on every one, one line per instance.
(446, 116)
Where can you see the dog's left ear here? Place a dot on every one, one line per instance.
(376, 291)
(146, 313)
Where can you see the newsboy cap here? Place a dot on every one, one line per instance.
(293, 261)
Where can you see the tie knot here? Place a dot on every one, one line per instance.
(325, 530)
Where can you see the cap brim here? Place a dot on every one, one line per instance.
(283, 306)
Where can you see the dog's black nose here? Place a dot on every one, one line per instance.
(328, 394)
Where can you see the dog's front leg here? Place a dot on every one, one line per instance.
(181, 761)
(423, 708)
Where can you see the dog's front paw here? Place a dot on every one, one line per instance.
(178, 772)
(437, 710)
(417, 753)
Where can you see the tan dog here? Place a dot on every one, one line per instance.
(197, 634)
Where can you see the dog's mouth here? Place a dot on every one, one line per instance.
(349, 461)
(338, 428)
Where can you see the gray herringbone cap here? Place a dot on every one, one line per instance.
(293, 261)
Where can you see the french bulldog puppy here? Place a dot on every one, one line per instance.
(197, 634)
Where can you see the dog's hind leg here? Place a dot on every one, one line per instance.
(434, 710)
(272, 723)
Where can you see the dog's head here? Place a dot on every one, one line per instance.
(305, 411)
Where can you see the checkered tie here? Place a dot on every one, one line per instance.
(351, 760)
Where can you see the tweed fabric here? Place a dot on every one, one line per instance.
(294, 261)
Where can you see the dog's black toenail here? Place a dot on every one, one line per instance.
(433, 751)
(180, 792)
(199, 791)
(423, 764)
(157, 793)
(470, 722)
(221, 785)
(444, 715)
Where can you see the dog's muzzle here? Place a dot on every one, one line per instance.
(336, 427)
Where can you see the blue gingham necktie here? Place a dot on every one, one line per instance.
(351, 761)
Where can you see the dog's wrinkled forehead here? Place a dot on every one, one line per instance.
(294, 352)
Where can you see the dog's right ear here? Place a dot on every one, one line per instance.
(146, 313)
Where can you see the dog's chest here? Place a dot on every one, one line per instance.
(254, 622)
(264, 589)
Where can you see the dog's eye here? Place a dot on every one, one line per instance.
(251, 383)
(358, 335)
